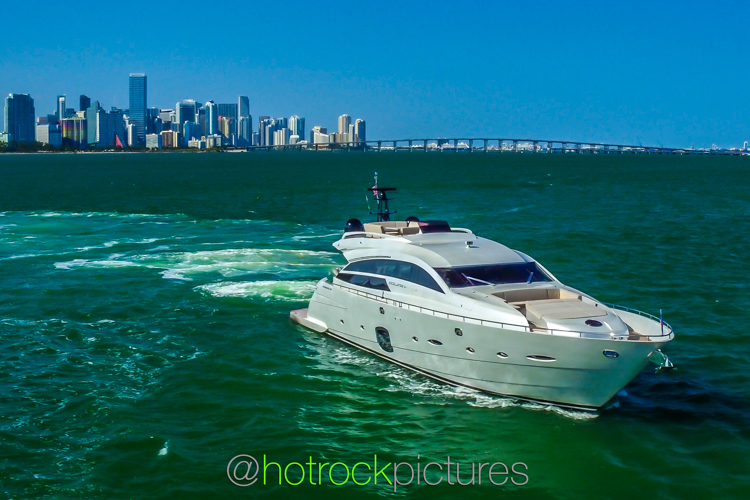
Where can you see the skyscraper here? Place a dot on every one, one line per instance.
(184, 112)
(105, 130)
(360, 130)
(344, 122)
(297, 126)
(138, 105)
(244, 106)
(61, 110)
(244, 122)
(84, 103)
(151, 115)
(212, 118)
(263, 123)
(19, 118)
(229, 111)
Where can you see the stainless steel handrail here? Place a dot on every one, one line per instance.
(522, 328)
(641, 313)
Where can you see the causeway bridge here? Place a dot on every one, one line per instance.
(487, 145)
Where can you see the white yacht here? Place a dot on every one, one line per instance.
(471, 312)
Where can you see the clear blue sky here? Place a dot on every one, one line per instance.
(675, 73)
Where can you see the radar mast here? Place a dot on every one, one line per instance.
(381, 196)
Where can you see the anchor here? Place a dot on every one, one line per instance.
(662, 362)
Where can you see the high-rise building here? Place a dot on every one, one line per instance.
(19, 118)
(317, 129)
(185, 111)
(151, 115)
(138, 105)
(170, 139)
(360, 131)
(190, 131)
(244, 106)
(84, 103)
(167, 115)
(74, 132)
(263, 123)
(61, 111)
(244, 131)
(297, 126)
(268, 126)
(105, 130)
(226, 125)
(229, 111)
(745, 146)
(132, 138)
(202, 120)
(153, 141)
(344, 122)
(281, 136)
(350, 134)
(320, 137)
(244, 122)
(212, 118)
(49, 133)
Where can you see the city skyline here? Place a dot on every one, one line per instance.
(189, 124)
(654, 73)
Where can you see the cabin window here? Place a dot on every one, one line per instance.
(396, 269)
(384, 339)
(496, 274)
(365, 281)
(539, 357)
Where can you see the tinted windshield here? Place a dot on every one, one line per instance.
(525, 272)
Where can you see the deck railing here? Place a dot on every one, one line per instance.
(509, 326)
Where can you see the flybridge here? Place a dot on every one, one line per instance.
(384, 226)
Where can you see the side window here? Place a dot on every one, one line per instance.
(421, 277)
(365, 281)
(363, 266)
(395, 269)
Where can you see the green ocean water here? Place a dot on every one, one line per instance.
(145, 341)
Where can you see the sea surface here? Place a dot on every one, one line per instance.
(145, 340)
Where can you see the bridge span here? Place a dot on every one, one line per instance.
(487, 145)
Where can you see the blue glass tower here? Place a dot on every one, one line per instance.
(138, 105)
(19, 118)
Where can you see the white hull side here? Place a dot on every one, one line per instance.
(581, 376)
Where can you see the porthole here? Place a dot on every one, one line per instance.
(384, 339)
(342, 321)
(610, 354)
(501, 354)
(539, 357)
(415, 339)
(459, 332)
(362, 327)
(435, 342)
(382, 311)
(470, 349)
(594, 323)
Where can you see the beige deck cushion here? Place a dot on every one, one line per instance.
(563, 309)
(374, 228)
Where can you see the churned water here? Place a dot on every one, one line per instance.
(145, 340)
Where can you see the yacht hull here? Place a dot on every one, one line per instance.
(562, 370)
